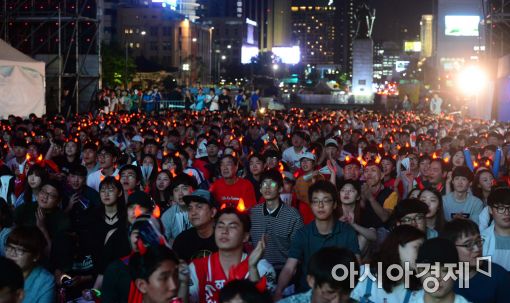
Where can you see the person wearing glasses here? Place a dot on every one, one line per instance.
(326, 230)
(497, 235)
(49, 218)
(107, 157)
(275, 220)
(482, 288)
(413, 212)
(25, 246)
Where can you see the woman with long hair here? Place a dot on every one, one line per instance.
(35, 176)
(399, 249)
(160, 191)
(482, 184)
(149, 171)
(350, 196)
(435, 217)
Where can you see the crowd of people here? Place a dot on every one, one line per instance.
(150, 100)
(225, 206)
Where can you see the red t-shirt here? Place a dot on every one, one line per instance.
(230, 195)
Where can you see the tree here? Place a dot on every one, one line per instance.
(114, 66)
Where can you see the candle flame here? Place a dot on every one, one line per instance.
(240, 205)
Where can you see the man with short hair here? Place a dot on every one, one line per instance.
(351, 169)
(379, 201)
(198, 241)
(89, 157)
(442, 253)
(482, 288)
(209, 274)
(497, 236)
(324, 288)
(461, 202)
(436, 175)
(326, 230)
(231, 189)
(175, 219)
(275, 220)
(107, 156)
(292, 155)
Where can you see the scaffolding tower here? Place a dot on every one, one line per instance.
(497, 19)
(65, 34)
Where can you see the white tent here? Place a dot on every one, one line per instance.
(22, 88)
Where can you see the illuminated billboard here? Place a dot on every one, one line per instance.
(412, 46)
(172, 4)
(247, 53)
(466, 26)
(288, 55)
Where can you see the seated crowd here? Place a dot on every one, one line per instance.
(216, 206)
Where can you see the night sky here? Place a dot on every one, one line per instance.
(393, 16)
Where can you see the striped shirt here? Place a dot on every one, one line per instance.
(280, 227)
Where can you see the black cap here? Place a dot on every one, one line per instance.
(201, 196)
(409, 206)
(440, 250)
(142, 199)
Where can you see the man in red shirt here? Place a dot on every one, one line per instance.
(210, 274)
(230, 189)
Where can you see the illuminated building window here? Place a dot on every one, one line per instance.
(294, 8)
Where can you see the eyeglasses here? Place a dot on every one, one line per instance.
(130, 177)
(415, 219)
(15, 250)
(323, 202)
(107, 190)
(49, 195)
(501, 209)
(472, 244)
(268, 184)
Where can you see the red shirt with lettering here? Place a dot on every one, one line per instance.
(229, 195)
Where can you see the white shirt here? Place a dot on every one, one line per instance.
(418, 297)
(95, 178)
(290, 156)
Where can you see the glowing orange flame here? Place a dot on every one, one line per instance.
(434, 156)
(446, 160)
(39, 159)
(280, 167)
(138, 211)
(156, 213)
(347, 159)
(240, 205)
(487, 163)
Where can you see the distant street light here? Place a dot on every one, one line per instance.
(143, 33)
(223, 57)
(275, 66)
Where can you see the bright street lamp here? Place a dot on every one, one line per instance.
(472, 80)
(223, 57)
(143, 33)
(275, 66)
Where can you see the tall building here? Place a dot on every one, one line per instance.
(167, 38)
(274, 19)
(324, 31)
(427, 35)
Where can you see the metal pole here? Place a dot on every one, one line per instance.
(126, 66)
(59, 59)
(77, 84)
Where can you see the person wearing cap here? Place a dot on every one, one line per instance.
(175, 219)
(135, 149)
(483, 287)
(378, 200)
(89, 158)
(230, 189)
(461, 202)
(497, 235)
(197, 241)
(107, 156)
(274, 219)
(413, 212)
(437, 286)
(292, 155)
(309, 176)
